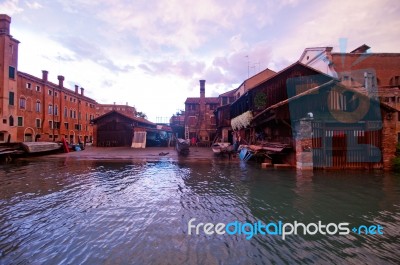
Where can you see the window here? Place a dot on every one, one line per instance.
(56, 110)
(37, 107)
(50, 110)
(56, 94)
(50, 92)
(71, 113)
(395, 81)
(56, 124)
(11, 72)
(70, 99)
(11, 98)
(86, 116)
(22, 103)
(28, 85)
(20, 121)
(1, 137)
(78, 127)
(38, 89)
(65, 112)
(212, 120)
(11, 121)
(66, 125)
(74, 114)
(65, 97)
(38, 123)
(51, 124)
(192, 120)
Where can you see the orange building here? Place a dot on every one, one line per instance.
(35, 109)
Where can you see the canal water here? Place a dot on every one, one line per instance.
(63, 211)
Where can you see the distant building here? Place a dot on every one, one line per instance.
(177, 124)
(127, 110)
(200, 121)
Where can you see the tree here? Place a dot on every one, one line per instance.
(141, 115)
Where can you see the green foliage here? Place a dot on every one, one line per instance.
(260, 100)
(396, 160)
(398, 149)
(141, 115)
(396, 164)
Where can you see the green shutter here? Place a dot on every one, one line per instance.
(11, 98)
(11, 72)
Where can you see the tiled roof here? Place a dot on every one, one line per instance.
(137, 119)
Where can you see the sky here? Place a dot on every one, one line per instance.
(151, 54)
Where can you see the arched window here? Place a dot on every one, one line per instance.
(22, 103)
(37, 106)
(11, 121)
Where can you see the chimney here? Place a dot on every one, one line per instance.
(76, 89)
(45, 74)
(5, 22)
(127, 103)
(60, 81)
(202, 88)
(202, 101)
(82, 91)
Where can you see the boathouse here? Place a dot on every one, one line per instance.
(117, 129)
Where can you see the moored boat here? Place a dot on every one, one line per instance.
(40, 147)
(182, 146)
(221, 147)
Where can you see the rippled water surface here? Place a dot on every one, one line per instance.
(62, 211)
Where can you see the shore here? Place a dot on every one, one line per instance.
(128, 153)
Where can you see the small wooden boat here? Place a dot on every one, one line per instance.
(222, 147)
(40, 147)
(182, 146)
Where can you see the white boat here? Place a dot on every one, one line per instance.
(182, 146)
(40, 147)
(222, 147)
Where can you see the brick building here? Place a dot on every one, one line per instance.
(378, 72)
(199, 116)
(35, 109)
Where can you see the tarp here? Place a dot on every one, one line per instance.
(139, 140)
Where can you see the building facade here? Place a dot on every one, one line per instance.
(200, 123)
(35, 109)
(127, 110)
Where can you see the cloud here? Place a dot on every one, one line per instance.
(187, 69)
(10, 7)
(372, 22)
(33, 5)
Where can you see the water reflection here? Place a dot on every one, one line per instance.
(117, 212)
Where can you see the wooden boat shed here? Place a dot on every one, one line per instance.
(116, 129)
